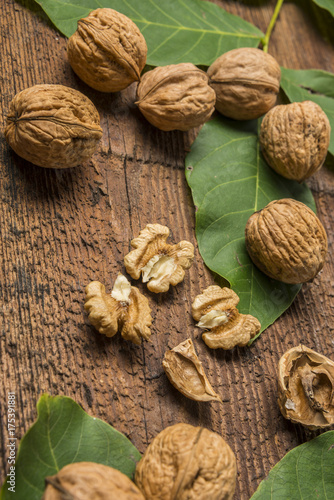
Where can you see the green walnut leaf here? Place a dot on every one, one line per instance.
(311, 85)
(230, 180)
(305, 473)
(326, 4)
(177, 31)
(62, 434)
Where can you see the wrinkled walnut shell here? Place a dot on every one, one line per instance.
(216, 312)
(287, 241)
(306, 387)
(90, 481)
(176, 97)
(185, 372)
(108, 52)
(187, 463)
(53, 126)
(246, 82)
(294, 139)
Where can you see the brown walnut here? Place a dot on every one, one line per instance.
(294, 139)
(159, 263)
(246, 82)
(108, 52)
(306, 387)
(187, 463)
(185, 372)
(53, 126)
(287, 241)
(125, 310)
(90, 481)
(176, 97)
(216, 312)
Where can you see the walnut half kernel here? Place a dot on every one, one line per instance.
(125, 310)
(215, 310)
(159, 263)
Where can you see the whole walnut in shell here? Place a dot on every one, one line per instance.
(294, 139)
(176, 97)
(187, 463)
(108, 52)
(246, 82)
(306, 387)
(287, 241)
(53, 126)
(90, 481)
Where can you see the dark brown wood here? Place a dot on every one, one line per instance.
(61, 229)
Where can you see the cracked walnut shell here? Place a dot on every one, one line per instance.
(125, 310)
(215, 310)
(294, 139)
(176, 97)
(159, 263)
(246, 82)
(108, 52)
(306, 387)
(287, 241)
(90, 481)
(53, 126)
(187, 463)
(185, 372)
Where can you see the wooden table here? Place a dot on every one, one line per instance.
(61, 229)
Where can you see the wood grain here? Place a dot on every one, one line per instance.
(61, 229)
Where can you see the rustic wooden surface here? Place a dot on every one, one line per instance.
(61, 229)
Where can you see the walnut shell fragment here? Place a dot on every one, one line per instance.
(176, 97)
(287, 241)
(306, 387)
(90, 481)
(53, 126)
(246, 82)
(107, 51)
(185, 372)
(294, 139)
(125, 310)
(187, 463)
(159, 263)
(215, 310)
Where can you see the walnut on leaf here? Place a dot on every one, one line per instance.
(125, 310)
(107, 51)
(90, 481)
(215, 310)
(159, 263)
(286, 241)
(306, 387)
(185, 372)
(187, 463)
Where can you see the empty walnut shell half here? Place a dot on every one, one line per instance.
(187, 463)
(246, 82)
(159, 263)
(125, 310)
(306, 387)
(216, 312)
(108, 52)
(53, 126)
(294, 139)
(176, 97)
(185, 372)
(287, 241)
(90, 481)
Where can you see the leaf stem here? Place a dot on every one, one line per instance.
(265, 40)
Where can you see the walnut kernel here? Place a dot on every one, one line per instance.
(215, 310)
(108, 52)
(53, 126)
(287, 241)
(159, 263)
(125, 310)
